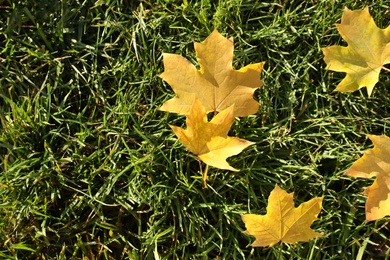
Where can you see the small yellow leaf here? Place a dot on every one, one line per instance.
(375, 163)
(283, 222)
(209, 140)
(217, 85)
(367, 51)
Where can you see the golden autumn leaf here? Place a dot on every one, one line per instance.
(375, 163)
(210, 140)
(283, 222)
(367, 51)
(216, 84)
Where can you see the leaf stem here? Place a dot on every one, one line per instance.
(386, 69)
(203, 173)
(205, 177)
(200, 166)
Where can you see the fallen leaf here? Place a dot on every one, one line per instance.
(283, 222)
(210, 140)
(375, 163)
(367, 51)
(216, 84)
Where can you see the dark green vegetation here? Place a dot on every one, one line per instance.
(90, 168)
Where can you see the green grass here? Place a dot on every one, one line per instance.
(89, 167)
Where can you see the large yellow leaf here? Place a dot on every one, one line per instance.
(367, 51)
(209, 140)
(283, 222)
(375, 163)
(216, 84)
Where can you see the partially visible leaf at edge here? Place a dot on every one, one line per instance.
(375, 163)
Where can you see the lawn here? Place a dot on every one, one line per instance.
(90, 169)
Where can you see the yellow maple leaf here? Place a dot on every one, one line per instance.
(217, 85)
(375, 163)
(367, 51)
(283, 222)
(210, 140)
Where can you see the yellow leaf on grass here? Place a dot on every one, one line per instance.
(209, 140)
(217, 85)
(375, 163)
(367, 51)
(283, 222)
